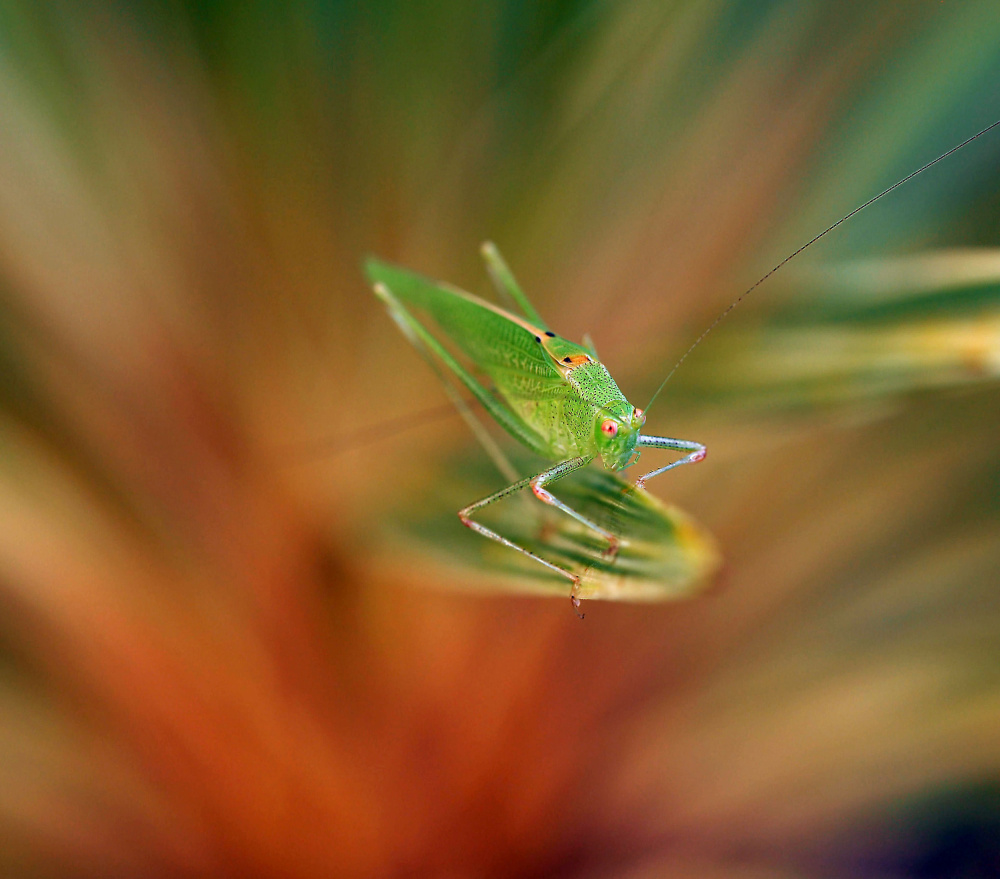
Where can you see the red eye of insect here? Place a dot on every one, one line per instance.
(609, 428)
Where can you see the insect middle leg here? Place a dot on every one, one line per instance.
(537, 484)
(538, 489)
(696, 453)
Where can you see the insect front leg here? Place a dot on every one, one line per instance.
(696, 452)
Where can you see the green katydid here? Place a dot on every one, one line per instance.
(551, 394)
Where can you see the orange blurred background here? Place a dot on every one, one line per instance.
(220, 656)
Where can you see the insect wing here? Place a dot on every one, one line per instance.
(505, 347)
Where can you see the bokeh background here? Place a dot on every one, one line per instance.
(220, 657)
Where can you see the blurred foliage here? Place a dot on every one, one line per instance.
(213, 662)
(872, 330)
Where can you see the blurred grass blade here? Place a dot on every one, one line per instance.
(865, 330)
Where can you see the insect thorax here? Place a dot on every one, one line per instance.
(594, 384)
(565, 414)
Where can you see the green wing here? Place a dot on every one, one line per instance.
(504, 346)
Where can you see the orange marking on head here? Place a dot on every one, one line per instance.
(577, 360)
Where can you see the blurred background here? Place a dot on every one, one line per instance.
(219, 652)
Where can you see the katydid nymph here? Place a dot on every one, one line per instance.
(552, 395)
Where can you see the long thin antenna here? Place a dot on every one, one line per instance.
(809, 243)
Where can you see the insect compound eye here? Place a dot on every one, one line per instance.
(609, 428)
(639, 417)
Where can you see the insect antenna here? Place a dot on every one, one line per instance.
(809, 243)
